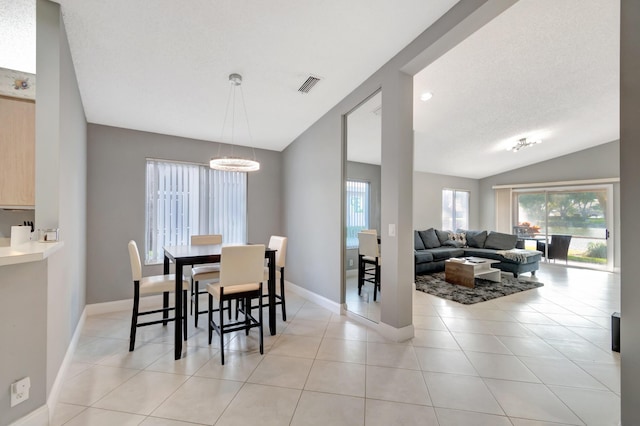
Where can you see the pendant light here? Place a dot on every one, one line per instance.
(233, 163)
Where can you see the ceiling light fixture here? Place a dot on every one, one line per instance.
(426, 96)
(232, 163)
(523, 143)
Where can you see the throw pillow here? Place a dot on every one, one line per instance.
(442, 235)
(476, 239)
(429, 238)
(459, 236)
(417, 241)
(500, 241)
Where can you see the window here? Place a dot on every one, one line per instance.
(357, 210)
(455, 209)
(185, 199)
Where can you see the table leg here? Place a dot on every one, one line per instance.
(272, 292)
(178, 311)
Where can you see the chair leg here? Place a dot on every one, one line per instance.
(221, 332)
(210, 316)
(360, 274)
(134, 318)
(284, 308)
(196, 301)
(260, 319)
(376, 278)
(165, 305)
(184, 315)
(191, 308)
(247, 315)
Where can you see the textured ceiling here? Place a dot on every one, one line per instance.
(162, 65)
(542, 69)
(18, 35)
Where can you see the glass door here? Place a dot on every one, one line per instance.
(570, 225)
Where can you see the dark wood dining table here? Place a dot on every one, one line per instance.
(188, 255)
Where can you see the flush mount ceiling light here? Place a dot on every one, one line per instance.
(426, 96)
(523, 143)
(233, 163)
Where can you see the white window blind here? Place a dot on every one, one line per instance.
(189, 199)
(357, 210)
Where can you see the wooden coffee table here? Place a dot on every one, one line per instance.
(464, 271)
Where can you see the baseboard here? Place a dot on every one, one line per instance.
(396, 334)
(38, 417)
(54, 394)
(332, 306)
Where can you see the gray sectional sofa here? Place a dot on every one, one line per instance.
(432, 247)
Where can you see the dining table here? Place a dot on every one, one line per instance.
(189, 255)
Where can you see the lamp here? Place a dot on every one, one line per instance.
(232, 163)
(523, 143)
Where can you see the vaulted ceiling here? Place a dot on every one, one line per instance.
(542, 69)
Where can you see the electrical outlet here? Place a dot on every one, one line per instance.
(350, 262)
(20, 391)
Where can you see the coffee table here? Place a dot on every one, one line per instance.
(464, 271)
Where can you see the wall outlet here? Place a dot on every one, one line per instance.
(20, 391)
(350, 262)
(392, 229)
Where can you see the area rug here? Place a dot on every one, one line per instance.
(484, 290)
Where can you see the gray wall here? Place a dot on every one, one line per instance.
(314, 171)
(427, 199)
(602, 161)
(47, 297)
(371, 174)
(116, 200)
(23, 333)
(67, 269)
(630, 206)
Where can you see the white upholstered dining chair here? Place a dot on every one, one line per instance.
(369, 261)
(201, 273)
(164, 284)
(241, 274)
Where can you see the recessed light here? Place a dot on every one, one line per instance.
(426, 96)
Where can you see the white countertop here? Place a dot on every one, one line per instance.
(31, 251)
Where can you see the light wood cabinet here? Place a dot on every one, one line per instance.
(17, 152)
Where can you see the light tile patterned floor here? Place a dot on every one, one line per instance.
(534, 358)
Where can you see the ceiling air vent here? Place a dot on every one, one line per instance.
(308, 85)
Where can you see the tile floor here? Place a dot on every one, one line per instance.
(540, 357)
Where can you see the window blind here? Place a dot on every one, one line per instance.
(185, 199)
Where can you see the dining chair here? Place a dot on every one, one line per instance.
(149, 285)
(208, 272)
(241, 275)
(558, 247)
(280, 245)
(369, 261)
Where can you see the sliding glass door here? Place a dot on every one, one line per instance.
(580, 216)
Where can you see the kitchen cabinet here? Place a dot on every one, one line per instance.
(17, 152)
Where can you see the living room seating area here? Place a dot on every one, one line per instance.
(433, 246)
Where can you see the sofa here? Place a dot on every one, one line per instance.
(432, 247)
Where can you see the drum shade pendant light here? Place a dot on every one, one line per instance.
(233, 163)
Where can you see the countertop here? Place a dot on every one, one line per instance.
(31, 251)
